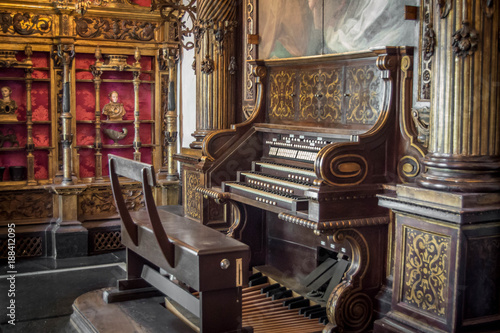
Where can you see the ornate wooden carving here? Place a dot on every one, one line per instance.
(426, 271)
(465, 40)
(98, 201)
(489, 7)
(427, 46)
(115, 29)
(444, 7)
(463, 143)
(349, 309)
(250, 50)
(25, 24)
(214, 33)
(17, 205)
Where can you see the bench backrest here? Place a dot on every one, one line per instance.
(138, 171)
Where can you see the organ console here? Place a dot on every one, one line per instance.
(298, 180)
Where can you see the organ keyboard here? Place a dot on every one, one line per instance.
(303, 172)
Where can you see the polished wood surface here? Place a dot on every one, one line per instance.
(300, 177)
(197, 256)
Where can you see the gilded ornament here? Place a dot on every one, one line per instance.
(193, 198)
(25, 23)
(426, 271)
(363, 87)
(114, 29)
(320, 96)
(281, 95)
(8, 58)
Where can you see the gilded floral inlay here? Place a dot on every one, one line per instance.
(363, 95)
(193, 198)
(320, 96)
(281, 95)
(426, 271)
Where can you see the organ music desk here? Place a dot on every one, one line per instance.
(298, 180)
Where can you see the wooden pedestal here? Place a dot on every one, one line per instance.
(447, 262)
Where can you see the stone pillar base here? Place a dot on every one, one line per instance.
(68, 236)
(69, 241)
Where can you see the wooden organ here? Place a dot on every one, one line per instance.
(300, 177)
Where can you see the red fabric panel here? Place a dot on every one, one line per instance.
(84, 60)
(41, 135)
(85, 101)
(87, 163)
(85, 134)
(145, 133)
(41, 164)
(40, 101)
(143, 3)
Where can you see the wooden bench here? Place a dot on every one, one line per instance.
(204, 259)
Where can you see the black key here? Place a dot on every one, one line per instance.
(275, 291)
(283, 294)
(298, 304)
(291, 300)
(257, 281)
(306, 311)
(271, 287)
(317, 314)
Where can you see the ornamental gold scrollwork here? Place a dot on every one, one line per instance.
(426, 271)
(193, 198)
(363, 92)
(115, 29)
(320, 96)
(281, 95)
(25, 23)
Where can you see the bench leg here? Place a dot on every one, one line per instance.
(133, 287)
(220, 310)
